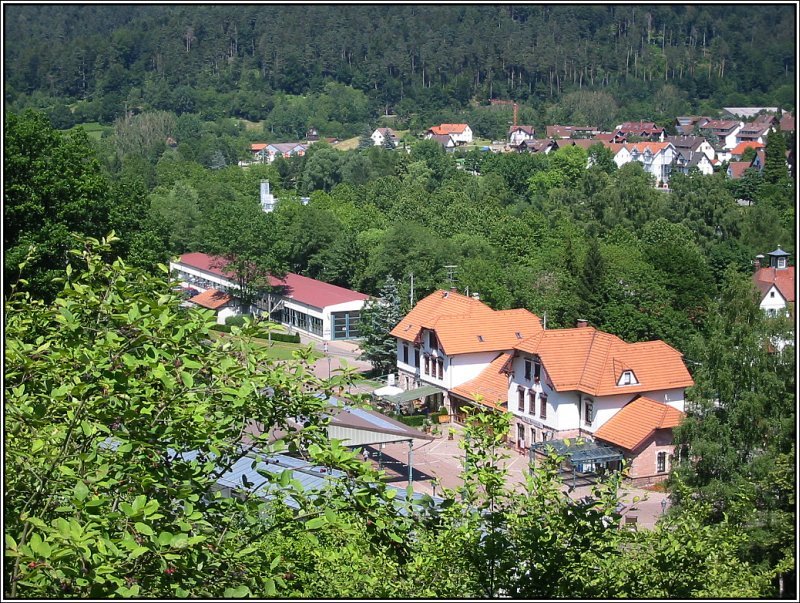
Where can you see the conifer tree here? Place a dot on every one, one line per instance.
(378, 318)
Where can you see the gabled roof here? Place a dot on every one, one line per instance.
(295, 286)
(449, 128)
(631, 426)
(736, 169)
(585, 359)
(740, 148)
(787, 122)
(212, 299)
(653, 147)
(386, 132)
(642, 127)
(287, 147)
(782, 278)
(725, 125)
(466, 325)
(685, 142)
(530, 130)
(443, 139)
(754, 129)
(491, 385)
(258, 146)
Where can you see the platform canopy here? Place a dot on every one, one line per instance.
(579, 451)
(413, 394)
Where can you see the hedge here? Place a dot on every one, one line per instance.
(295, 338)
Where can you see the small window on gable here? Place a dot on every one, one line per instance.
(627, 378)
(772, 294)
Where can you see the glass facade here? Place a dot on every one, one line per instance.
(302, 321)
(346, 324)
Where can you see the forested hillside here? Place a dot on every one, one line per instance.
(650, 62)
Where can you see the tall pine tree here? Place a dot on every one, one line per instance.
(378, 318)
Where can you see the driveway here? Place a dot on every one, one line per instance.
(438, 463)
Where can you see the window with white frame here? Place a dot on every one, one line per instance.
(627, 378)
(661, 462)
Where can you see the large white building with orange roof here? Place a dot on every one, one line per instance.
(657, 158)
(447, 339)
(559, 383)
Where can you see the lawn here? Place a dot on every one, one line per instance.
(277, 350)
(93, 129)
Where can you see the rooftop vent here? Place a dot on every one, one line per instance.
(480, 338)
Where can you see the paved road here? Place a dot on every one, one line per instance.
(438, 464)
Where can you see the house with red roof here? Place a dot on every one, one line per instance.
(223, 304)
(657, 158)
(461, 133)
(448, 339)
(642, 129)
(557, 384)
(775, 284)
(724, 130)
(754, 132)
(559, 131)
(301, 303)
(518, 134)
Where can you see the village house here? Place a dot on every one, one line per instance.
(786, 123)
(657, 158)
(560, 383)
(461, 133)
(541, 145)
(686, 124)
(285, 150)
(753, 132)
(775, 284)
(738, 151)
(518, 134)
(723, 130)
(380, 135)
(446, 140)
(558, 131)
(301, 303)
(736, 169)
(693, 152)
(642, 129)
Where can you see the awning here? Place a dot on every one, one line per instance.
(413, 394)
(579, 451)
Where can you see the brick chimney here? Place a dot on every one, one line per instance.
(581, 323)
(757, 261)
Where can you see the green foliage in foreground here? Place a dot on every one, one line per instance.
(114, 357)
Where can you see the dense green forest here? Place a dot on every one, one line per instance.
(102, 348)
(422, 64)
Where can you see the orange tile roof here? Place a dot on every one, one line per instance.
(637, 421)
(740, 148)
(783, 279)
(258, 146)
(212, 299)
(449, 128)
(738, 168)
(490, 388)
(591, 361)
(466, 325)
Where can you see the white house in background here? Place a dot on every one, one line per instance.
(461, 133)
(518, 134)
(380, 135)
(285, 150)
(657, 158)
(754, 132)
(725, 130)
(448, 339)
(213, 299)
(693, 144)
(446, 140)
(304, 304)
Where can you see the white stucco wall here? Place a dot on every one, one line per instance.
(773, 300)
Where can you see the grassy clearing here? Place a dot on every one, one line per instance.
(251, 125)
(276, 350)
(348, 145)
(93, 129)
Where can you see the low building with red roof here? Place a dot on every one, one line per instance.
(461, 133)
(641, 129)
(302, 303)
(643, 430)
(223, 304)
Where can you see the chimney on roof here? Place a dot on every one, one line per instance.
(454, 289)
(581, 323)
(476, 295)
(757, 261)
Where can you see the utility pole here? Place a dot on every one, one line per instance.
(451, 269)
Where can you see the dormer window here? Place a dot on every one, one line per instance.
(627, 378)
